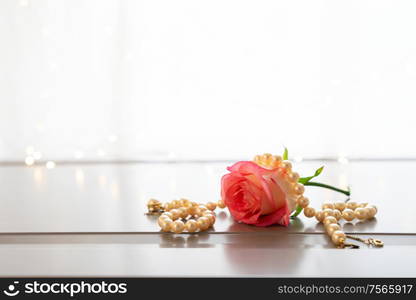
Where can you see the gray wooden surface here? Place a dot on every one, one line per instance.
(88, 220)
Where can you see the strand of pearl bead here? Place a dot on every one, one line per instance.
(270, 161)
(185, 203)
(334, 231)
(191, 219)
(331, 213)
(340, 210)
(184, 215)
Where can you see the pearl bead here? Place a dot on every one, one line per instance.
(154, 205)
(191, 226)
(309, 212)
(153, 202)
(287, 165)
(211, 219)
(352, 205)
(167, 206)
(367, 212)
(208, 212)
(340, 205)
(328, 205)
(211, 205)
(197, 212)
(269, 164)
(260, 160)
(194, 204)
(360, 213)
(166, 225)
(162, 220)
(294, 177)
(337, 214)
(375, 207)
(319, 215)
(191, 210)
(221, 204)
(338, 237)
(163, 216)
(203, 223)
(362, 204)
(183, 212)
(329, 220)
(303, 201)
(175, 214)
(202, 208)
(168, 214)
(328, 212)
(299, 188)
(177, 226)
(175, 204)
(185, 202)
(266, 157)
(275, 160)
(371, 211)
(348, 214)
(331, 228)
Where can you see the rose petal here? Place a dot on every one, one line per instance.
(276, 196)
(280, 216)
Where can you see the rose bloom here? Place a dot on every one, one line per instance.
(258, 196)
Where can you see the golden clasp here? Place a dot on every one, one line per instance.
(376, 242)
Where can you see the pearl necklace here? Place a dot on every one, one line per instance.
(331, 213)
(180, 215)
(183, 215)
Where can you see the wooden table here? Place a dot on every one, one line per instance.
(89, 219)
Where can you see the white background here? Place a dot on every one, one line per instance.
(218, 79)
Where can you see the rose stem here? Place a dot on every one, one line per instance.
(312, 183)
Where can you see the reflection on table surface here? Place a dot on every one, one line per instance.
(204, 254)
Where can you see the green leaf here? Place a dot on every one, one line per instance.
(304, 180)
(286, 154)
(297, 212)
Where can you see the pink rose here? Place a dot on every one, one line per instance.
(256, 195)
